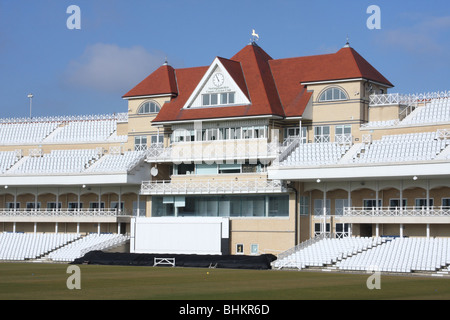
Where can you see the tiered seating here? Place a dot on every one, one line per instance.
(314, 154)
(25, 132)
(22, 246)
(7, 160)
(402, 255)
(381, 123)
(403, 147)
(59, 161)
(437, 110)
(82, 246)
(119, 162)
(85, 131)
(327, 251)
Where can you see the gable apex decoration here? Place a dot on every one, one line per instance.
(223, 76)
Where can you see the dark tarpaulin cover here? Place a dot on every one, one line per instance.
(181, 260)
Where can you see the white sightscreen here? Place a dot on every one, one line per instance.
(179, 235)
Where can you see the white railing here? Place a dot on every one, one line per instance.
(213, 187)
(61, 213)
(119, 117)
(346, 139)
(366, 138)
(397, 212)
(136, 162)
(288, 146)
(213, 150)
(443, 134)
(393, 98)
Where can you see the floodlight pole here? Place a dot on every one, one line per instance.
(31, 99)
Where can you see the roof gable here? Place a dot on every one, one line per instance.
(231, 80)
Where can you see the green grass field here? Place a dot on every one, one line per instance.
(30, 281)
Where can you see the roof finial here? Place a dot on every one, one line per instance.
(347, 45)
(165, 62)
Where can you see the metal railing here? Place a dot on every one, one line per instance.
(213, 187)
(62, 213)
(397, 212)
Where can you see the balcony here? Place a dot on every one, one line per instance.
(61, 215)
(251, 186)
(396, 215)
(239, 149)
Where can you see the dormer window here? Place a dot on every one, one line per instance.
(149, 107)
(333, 94)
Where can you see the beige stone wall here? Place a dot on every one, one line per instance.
(141, 124)
(272, 235)
(384, 113)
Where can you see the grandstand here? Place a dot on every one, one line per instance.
(308, 158)
(387, 254)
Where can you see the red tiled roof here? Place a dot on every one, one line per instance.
(234, 68)
(161, 81)
(258, 81)
(289, 74)
(274, 87)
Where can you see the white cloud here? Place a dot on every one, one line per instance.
(423, 37)
(110, 68)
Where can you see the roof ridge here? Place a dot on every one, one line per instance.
(305, 57)
(361, 63)
(261, 57)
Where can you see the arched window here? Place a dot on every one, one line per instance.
(333, 94)
(149, 107)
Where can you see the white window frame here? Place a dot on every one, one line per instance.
(149, 103)
(334, 90)
(254, 249)
(207, 99)
(319, 135)
(139, 143)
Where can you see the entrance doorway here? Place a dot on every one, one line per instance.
(365, 230)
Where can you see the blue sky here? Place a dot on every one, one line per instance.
(86, 71)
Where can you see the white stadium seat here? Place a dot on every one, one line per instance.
(58, 246)
(373, 254)
(88, 243)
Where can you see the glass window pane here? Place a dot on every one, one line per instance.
(214, 99)
(231, 97)
(223, 98)
(205, 101)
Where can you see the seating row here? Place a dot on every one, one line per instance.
(22, 246)
(373, 254)
(88, 243)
